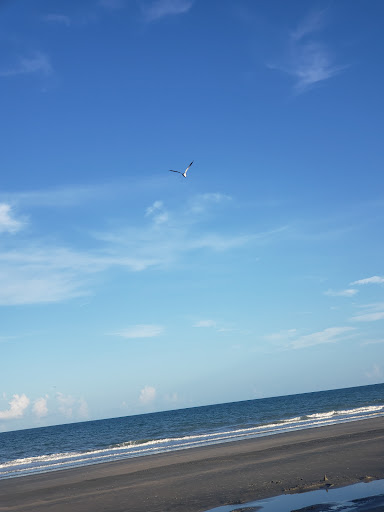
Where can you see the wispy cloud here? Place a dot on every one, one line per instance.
(369, 280)
(156, 206)
(372, 313)
(31, 275)
(313, 22)
(35, 271)
(329, 335)
(369, 317)
(312, 63)
(349, 292)
(171, 234)
(37, 274)
(157, 212)
(157, 9)
(37, 63)
(17, 407)
(308, 60)
(140, 331)
(7, 221)
(60, 19)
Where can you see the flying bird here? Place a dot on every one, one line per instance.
(183, 173)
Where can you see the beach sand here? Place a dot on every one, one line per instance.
(198, 479)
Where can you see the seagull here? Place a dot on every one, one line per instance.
(183, 173)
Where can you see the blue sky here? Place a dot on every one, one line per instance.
(125, 288)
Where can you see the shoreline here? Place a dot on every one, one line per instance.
(199, 479)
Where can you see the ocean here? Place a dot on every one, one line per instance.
(38, 450)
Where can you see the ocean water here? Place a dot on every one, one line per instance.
(37, 450)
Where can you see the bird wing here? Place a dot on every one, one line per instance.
(171, 170)
(188, 167)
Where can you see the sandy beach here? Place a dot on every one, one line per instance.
(198, 479)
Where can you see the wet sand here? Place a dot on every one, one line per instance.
(198, 479)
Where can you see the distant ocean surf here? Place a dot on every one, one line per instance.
(38, 450)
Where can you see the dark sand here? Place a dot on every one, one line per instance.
(198, 479)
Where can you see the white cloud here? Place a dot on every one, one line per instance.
(66, 404)
(312, 63)
(36, 63)
(157, 212)
(160, 8)
(7, 222)
(162, 243)
(308, 61)
(312, 23)
(82, 411)
(162, 217)
(21, 287)
(17, 406)
(157, 205)
(33, 274)
(372, 313)
(72, 407)
(140, 331)
(36, 272)
(329, 335)
(369, 280)
(53, 258)
(40, 407)
(349, 292)
(147, 395)
(369, 317)
(60, 19)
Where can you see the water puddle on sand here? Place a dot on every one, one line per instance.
(359, 497)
